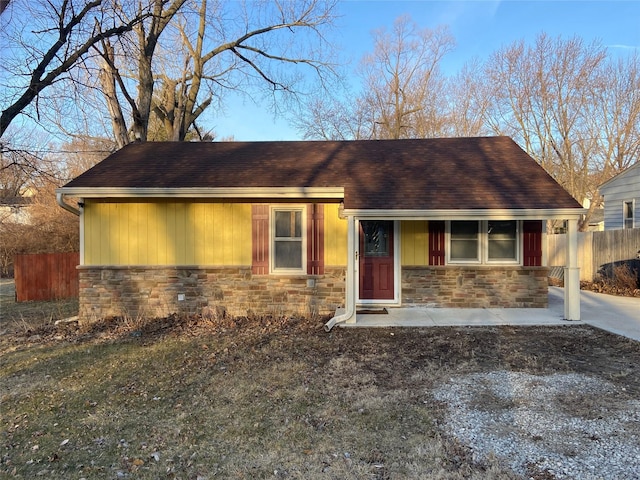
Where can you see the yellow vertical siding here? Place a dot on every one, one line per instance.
(181, 235)
(198, 221)
(414, 240)
(156, 242)
(209, 222)
(335, 236)
(167, 233)
(226, 225)
(137, 235)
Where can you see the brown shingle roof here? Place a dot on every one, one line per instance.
(425, 174)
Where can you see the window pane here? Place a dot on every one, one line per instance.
(628, 214)
(464, 250)
(464, 240)
(502, 229)
(376, 238)
(288, 224)
(502, 250)
(502, 240)
(288, 254)
(283, 224)
(298, 223)
(628, 210)
(464, 230)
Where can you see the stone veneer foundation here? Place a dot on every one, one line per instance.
(141, 291)
(476, 287)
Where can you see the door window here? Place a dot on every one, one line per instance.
(376, 238)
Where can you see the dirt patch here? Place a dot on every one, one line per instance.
(604, 287)
(189, 397)
(275, 397)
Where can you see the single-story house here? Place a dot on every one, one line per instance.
(312, 227)
(622, 199)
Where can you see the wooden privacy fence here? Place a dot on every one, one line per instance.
(596, 250)
(46, 276)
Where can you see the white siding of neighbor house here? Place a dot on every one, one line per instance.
(623, 188)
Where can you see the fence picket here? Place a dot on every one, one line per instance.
(595, 249)
(46, 276)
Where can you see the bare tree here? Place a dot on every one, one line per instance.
(16, 172)
(46, 56)
(3, 5)
(467, 102)
(403, 85)
(327, 117)
(221, 53)
(23, 160)
(147, 35)
(616, 119)
(42, 226)
(570, 106)
(402, 90)
(541, 95)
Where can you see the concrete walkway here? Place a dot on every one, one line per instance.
(620, 315)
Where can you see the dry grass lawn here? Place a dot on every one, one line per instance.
(188, 398)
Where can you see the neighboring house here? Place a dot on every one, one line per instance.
(311, 227)
(15, 209)
(622, 199)
(596, 221)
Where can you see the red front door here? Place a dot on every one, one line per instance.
(376, 260)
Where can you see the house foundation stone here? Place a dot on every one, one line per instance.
(475, 287)
(158, 291)
(148, 292)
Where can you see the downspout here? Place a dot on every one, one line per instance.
(339, 318)
(349, 303)
(66, 206)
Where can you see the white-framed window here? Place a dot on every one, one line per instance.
(464, 241)
(502, 241)
(486, 241)
(628, 208)
(288, 239)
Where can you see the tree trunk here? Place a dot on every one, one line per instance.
(108, 81)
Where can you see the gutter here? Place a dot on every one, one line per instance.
(470, 214)
(330, 193)
(65, 205)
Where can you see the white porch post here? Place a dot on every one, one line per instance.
(352, 247)
(572, 273)
(82, 218)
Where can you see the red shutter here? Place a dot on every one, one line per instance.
(532, 243)
(436, 242)
(260, 239)
(315, 239)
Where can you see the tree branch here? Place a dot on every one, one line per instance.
(38, 83)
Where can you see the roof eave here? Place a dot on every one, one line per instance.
(206, 192)
(617, 177)
(470, 214)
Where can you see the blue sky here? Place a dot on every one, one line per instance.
(479, 28)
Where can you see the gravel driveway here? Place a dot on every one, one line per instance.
(546, 426)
